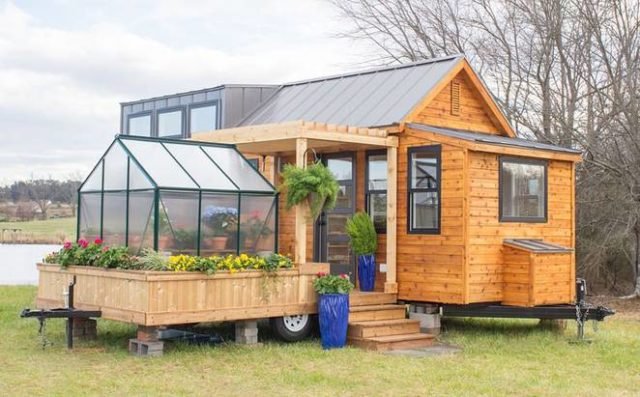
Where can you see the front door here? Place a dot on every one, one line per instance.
(332, 241)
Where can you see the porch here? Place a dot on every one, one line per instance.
(296, 142)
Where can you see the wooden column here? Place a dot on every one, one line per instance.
(391, 285)
(301, 216)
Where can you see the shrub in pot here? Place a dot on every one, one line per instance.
(314, 184)
(333, 308)
(364, 242)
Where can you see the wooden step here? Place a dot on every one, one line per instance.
(376, 312)
(358, 298)
(393, 342)
(369, 329)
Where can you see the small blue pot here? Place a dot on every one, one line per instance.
(333, 315)
(367, 272)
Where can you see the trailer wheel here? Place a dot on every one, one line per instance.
(292, 328)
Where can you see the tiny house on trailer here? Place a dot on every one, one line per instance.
(471, 218)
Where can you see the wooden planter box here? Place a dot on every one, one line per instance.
(152, 298)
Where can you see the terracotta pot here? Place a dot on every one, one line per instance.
(164, 242)
(216, 243)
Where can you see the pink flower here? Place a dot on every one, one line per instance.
(105, 249)
(67, 245)
(321, 274)
(97, 241)
(83, 243)
(344, 276)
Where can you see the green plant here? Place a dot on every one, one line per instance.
(116, 257)
(220, 219)
(315, 183)
(152, 260)
(185, 239)
(362, 234)
(332, 284)
(274, 262)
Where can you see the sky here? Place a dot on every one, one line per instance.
(65, 65)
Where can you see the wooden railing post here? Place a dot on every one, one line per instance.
(301, 216)
(391, 285)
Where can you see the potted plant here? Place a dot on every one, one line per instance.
(314, 184)
(165, 237)
(253, 229)
(220, 220)
(333, 308)
(364, 242)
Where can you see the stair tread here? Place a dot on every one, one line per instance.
(366, 308)
(398, 338)
(378, 323)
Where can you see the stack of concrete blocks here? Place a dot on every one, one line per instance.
(146, 343)
(85, 329)
(428, 315)
(247, 332)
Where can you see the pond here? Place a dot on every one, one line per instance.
(19, 262)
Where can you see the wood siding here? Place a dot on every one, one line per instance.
(485, 233)
(471, 115)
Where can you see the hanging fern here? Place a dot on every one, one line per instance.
(316, 184)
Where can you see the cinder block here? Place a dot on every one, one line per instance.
(247, 332)
(429, 323)
(85, 329)
(145, 348)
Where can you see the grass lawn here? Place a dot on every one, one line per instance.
(51, 230)
(499, 358)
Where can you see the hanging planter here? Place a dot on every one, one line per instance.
(364, 242)
(333, 308)
(314, 185)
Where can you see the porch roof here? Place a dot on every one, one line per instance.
(281, 138)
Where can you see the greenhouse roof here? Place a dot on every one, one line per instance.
(137, 163)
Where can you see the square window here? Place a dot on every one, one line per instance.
(139, 125)
(523, 190)
(203, 118)
(170, 123)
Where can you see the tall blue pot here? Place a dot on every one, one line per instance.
(367, 272)
(333, 313)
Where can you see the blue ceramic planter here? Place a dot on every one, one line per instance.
(367, 272)
(333, 314)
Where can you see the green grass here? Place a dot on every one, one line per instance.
(51, 230)
(499, 358)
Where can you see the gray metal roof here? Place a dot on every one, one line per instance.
(535, 245)
(492, 139)
(371, 98)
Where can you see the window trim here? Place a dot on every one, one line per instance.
(528, 161)
(436, 150)
(172, 109)
(141, 114)
(367, 191)
(197, 105)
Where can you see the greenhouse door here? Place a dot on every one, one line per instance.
(332, 241)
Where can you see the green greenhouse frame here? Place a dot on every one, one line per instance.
(178, 196)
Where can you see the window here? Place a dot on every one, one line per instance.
(203, 117)
(376, 189)
(139, 124)
(254, 163)
(523, 190)
(170, 123)
(424, 190)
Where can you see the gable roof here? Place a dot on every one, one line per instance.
(482, 138)
(377, 97)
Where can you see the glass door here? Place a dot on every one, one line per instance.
(332, 241)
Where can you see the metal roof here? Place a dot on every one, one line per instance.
(492, 139)
(377, 97)
(534, 245)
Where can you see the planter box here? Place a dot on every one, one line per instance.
(152, 298)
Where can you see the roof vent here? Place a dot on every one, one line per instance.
(455, 98)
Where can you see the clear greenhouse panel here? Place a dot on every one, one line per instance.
(178, 222)
(219, 223)
(141, 220)
(94, 180)
(257, 224)
(200, 167)
(115, 169)
(114, 218)
(89, 215)
(239, 170)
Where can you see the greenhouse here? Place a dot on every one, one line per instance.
(179, 197)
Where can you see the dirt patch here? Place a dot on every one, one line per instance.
(628, 308)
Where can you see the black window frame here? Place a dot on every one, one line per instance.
(141, 114)
(171, 109)
(205, 104)
(436, 150)
(368, 192)
(526, 161)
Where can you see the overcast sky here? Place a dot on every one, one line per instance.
(65, 65)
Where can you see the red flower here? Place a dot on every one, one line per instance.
(321, 274)
(83, 243)
(67, 245)
(344, 276)
(97, 241)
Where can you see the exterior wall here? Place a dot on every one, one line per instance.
(485, 233)
(473, 114)
(430, 267)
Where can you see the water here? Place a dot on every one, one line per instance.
(18, 264)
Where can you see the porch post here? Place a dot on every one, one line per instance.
(391, 285)
(301, 219)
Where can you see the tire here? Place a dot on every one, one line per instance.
(293, 328)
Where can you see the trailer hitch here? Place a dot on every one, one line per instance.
(68, 312)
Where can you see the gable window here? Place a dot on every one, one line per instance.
(424, 190)
(376, 189)
(523, 190)
(203, 117)
(170, 123)
(139, 124)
